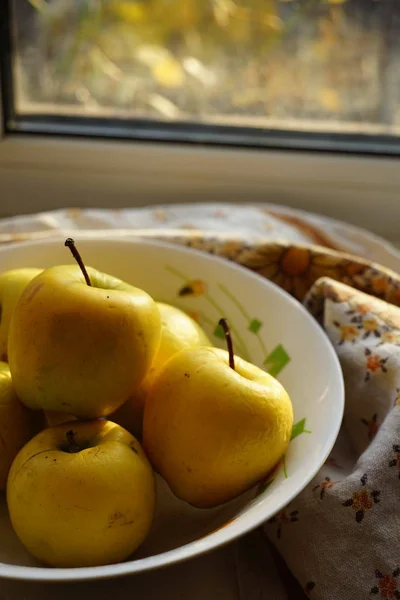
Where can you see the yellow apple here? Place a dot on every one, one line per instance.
(178, 331)
(81, 494)
(81, 348)
(12, 284)
(213, 431)
(17, 424)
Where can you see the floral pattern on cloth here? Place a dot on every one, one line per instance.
(363, 499)
(358, 489)
(295, 268)
(387, 585)
(283, 518)
(267, 221)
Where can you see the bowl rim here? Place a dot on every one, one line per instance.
(231, 531)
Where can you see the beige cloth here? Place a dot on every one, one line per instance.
(340, 535)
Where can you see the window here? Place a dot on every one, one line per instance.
(88, 86)
(311, 74)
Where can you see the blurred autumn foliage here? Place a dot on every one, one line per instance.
(228, 61)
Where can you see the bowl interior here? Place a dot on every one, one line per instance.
(269, 328)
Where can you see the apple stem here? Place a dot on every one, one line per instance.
(224, 324)
(73, 447)
(70, 243)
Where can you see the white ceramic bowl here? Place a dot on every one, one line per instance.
(269, 328)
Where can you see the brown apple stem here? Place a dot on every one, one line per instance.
(70, 243)
(224, 324)
(73, 447)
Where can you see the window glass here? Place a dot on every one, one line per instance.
(299, 65)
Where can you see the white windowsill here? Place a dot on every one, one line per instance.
(47, 173)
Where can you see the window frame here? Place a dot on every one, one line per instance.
(208, 134)
(45, 173)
